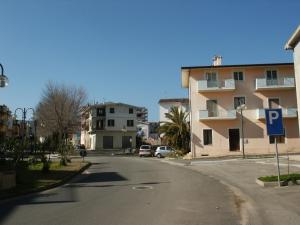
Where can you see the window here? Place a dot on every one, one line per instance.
(212, 108)
(207, 137)
(279, 139)
(273, 103)
(272, 77)
(129, 123)
(111, 110)
(211, 78)
(130, 110)
(111, 123)
(239, 101)
(238, 75)
(100, 124)
(101, 112)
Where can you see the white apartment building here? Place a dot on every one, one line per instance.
(166, 104)
(109, 126)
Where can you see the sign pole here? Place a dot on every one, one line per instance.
(277, 158)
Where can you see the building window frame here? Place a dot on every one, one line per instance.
(207, 140)
(238, 75)
(111, 110)
(110, 123)
(130, 110)
(130, 123)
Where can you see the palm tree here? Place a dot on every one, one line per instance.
(176, 133)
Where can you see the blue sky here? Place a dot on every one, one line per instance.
(131, 51)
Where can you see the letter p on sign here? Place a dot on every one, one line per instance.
(274, 122)
(273, 115)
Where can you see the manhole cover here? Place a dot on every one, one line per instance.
(142, 187)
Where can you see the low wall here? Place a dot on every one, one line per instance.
(7, 180)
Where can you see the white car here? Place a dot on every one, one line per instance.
(163, 151)
(145, 150)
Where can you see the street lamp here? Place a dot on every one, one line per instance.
(24, 114)
(240, 108)
(3, 78)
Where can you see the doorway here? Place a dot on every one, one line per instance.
(234, 139)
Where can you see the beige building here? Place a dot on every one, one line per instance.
(109, 126)
(218, 92)
(293, 44)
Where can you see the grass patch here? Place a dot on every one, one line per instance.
(30, 177)
(285, 178)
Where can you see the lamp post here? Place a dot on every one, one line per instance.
(124, 130)
(242, 107)
(3, 78)
(24, 114)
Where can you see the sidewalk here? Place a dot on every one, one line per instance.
(274, 206)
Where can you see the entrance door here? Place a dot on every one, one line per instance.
(234, 139)
(108, 142)
(273, 103)
(212, 108)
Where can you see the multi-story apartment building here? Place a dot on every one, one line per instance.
(109, 126)
(217, 95)
(294, 44)
(166, 104)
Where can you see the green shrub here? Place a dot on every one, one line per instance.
(286, 178)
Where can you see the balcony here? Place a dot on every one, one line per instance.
(212, 86)
(283, 83)
(217, 115)
(286, 113)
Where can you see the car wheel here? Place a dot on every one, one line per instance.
(158, 155)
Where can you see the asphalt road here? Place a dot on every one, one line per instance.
(128, 191)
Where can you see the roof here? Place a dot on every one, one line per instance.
(89, 106)
(238, 65)
(185, 71)
(182, 100)
(294, 39)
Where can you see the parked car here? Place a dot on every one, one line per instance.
(145, 150)
(163, 151)
(79, 147)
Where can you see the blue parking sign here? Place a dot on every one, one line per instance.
(274, 122)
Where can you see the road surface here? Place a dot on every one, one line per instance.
(127, 191)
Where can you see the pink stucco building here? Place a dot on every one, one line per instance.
(217, 95)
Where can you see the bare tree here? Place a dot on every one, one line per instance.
(59, 109)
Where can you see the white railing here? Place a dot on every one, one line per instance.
(219, 114)
(286, 113)
(263, 83)
(205, 85)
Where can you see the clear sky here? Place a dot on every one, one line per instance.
(131, 51)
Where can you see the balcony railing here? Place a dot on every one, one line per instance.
(210, 86)
(217, 115)
(286, 113)
(275, 84)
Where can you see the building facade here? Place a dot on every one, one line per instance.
(166, 104)
(294, 44)
(219, 94)
(109, 126)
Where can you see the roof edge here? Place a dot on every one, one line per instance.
(238, 65)
(294, 39)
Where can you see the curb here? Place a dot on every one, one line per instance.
(65, 180)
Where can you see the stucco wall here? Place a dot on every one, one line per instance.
(297, 75)
(256, 139)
